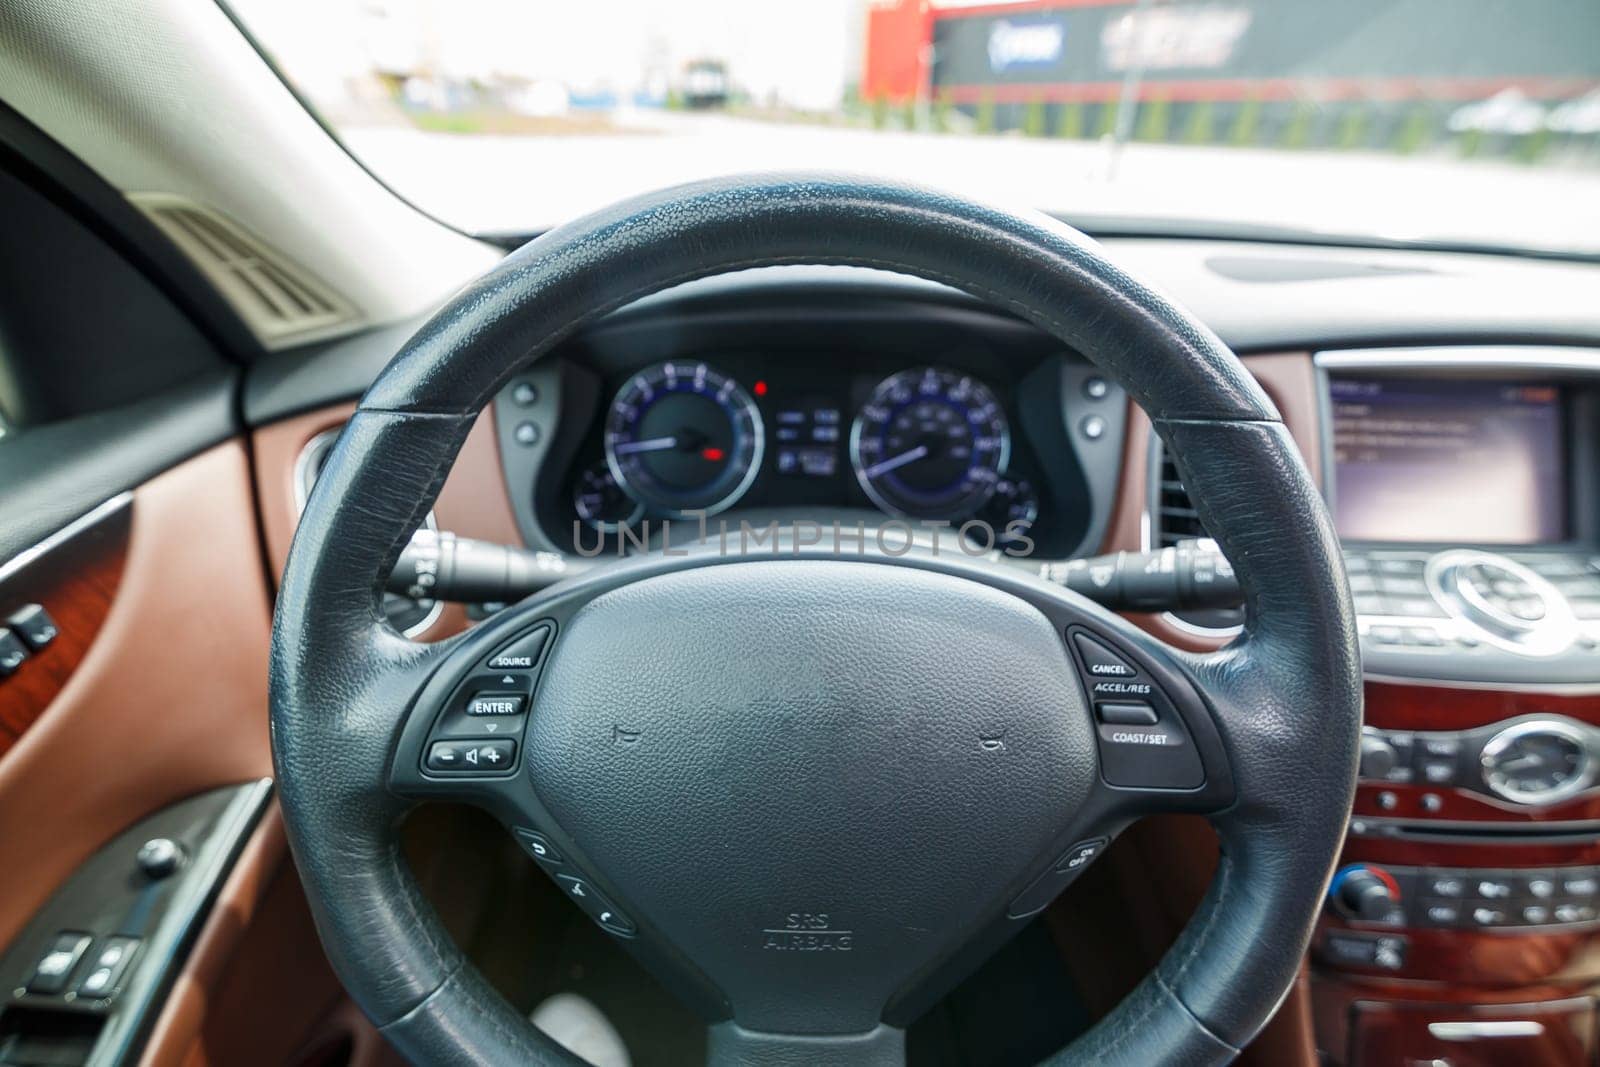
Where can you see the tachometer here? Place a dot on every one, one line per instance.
(930, 443)
(681, 437)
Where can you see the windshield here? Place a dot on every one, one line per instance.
(1460, 121)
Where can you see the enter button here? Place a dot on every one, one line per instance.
(1130, 713)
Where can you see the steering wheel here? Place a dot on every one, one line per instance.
(814, 787)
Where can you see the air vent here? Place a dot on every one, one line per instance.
(280, 302)
(1174, 517)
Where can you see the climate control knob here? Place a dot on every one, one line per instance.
(1366, 894)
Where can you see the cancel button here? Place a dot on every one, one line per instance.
(1149, 757)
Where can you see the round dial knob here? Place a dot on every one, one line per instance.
(1510, 605)
(1538, 761)
(1378, 757)
(159, 857)
(1365, 893)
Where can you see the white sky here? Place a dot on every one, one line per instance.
(805, 51)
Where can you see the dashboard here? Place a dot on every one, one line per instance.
(1449, 408)
(883, 422)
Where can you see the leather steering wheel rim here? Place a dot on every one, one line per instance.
(1286, 695)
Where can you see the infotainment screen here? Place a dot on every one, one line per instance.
(1458, 462)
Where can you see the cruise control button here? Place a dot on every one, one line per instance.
(1079, 856)
(1126, 714)
(523, 653)
(1099, 660)
(1073, 862)
(479, 757)
(1149, 757)
(496, 704)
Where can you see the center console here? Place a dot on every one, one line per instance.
(1463, 923)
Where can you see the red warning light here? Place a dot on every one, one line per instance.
(761, 388)
(714, 454)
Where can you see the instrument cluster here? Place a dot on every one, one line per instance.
(682, 438)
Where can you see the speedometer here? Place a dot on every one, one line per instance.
(930, 443)
(682, 437)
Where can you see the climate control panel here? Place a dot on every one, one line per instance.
(1464, 898)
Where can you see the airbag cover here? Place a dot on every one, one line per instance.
(814, 777)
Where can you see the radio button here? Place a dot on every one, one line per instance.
(1540, 886)
(1493, 887)
(1583, 884)
(1441, 912)
(1416, 607)
(1445, 885)
(1440, 745)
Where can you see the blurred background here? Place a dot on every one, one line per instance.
(1470, 121)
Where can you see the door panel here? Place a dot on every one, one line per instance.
(170, 697)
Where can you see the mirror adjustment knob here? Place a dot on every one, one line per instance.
(159, 857)
(1378, 757)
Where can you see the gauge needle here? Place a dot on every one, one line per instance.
(896, 462)
(653, 444)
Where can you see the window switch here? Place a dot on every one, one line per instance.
(111, 962)
(12, 653)
(34, 626)
(50, 974)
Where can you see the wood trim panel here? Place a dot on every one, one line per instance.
(76, 583)
(1385, 1024)
(1458, 972)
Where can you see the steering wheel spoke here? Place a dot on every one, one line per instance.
(730, 1045)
